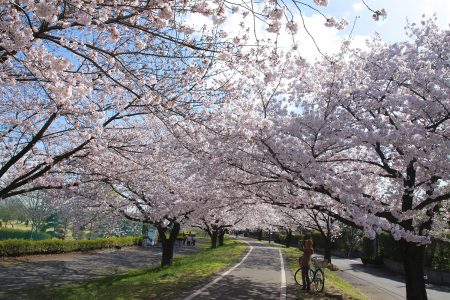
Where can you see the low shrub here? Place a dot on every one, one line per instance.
(11, 233)
(17, 247)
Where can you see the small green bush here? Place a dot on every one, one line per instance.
(11, 233)
(17, 247)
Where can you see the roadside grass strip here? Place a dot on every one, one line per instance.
(153, 283)
(343, 287)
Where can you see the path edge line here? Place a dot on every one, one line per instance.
(283, 277)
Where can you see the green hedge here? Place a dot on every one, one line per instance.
(389, 247)
(437, 254)
(280, 238)
(11, 233)
(18, 247)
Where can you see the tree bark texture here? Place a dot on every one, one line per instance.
(213, 237)
(168, 243)
(413, 259)
(220, 238)
(288, 238)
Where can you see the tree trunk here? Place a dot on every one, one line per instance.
(167, 252)
(90, 232)
(260, 233)
(221, 235)
(65, 231)
(144, 230)
(413, 258)
(288, 238)
(377, 246)
(213, 235)
(327, 255)
(168, 242)
(270, 237)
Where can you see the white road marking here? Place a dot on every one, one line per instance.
(265, 247)
(283, 278)
(197, 292)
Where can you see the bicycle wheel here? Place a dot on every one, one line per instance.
(298, 276)
(319, 281)
(311, 275)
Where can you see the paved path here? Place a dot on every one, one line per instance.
(378, 283)
(51, 270)
(261, 274)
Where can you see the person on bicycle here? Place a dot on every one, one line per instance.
(305, 260)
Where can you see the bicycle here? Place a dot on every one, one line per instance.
(316, 276)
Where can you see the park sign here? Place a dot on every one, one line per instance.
(152, 236)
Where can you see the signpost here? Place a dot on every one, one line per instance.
(152, 236)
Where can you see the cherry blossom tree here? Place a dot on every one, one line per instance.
(36, 209)
(369, 133)
(148, 182)
(391, 117)
(72, 69)
(215, 222)
(116, 100)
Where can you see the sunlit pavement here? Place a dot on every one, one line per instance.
(378, 283)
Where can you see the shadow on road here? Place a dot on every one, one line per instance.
(377, 271)
(53, 270)
(233, 287)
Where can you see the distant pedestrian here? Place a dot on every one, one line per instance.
(189, 239)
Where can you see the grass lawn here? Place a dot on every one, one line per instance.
(332, 282)
(155, 283)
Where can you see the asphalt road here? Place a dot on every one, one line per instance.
(52, 270)
(378, 283)
(261, 274)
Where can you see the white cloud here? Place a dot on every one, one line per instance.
(326, 38)
(398, 11)
(358, 6)
(329, 39)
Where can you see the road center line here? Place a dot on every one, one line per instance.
(283, 278)
(197, 292)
